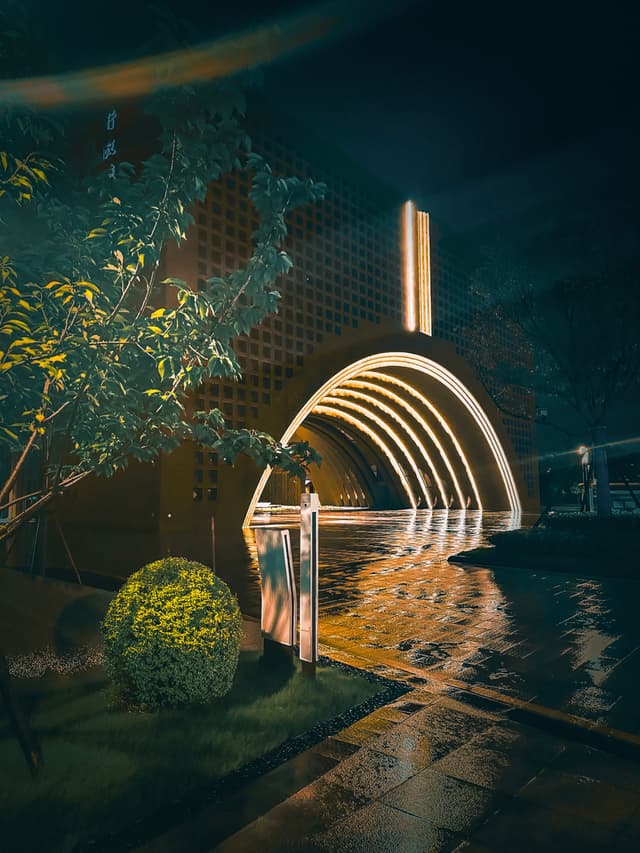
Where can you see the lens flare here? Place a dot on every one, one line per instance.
(209, 61)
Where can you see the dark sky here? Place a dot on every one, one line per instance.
(475, 110)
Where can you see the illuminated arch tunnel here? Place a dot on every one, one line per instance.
(399, 428)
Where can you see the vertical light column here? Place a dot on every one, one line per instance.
(309, 509)
(409, 252)
(417, 269)
(423, 288)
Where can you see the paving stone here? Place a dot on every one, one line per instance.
(503, 784)
(581, 760)
(588, 800)
(370, 773)
(312, 809)
(531, 828)
(381, 829)
(444, 801)
(499, 760)
(407, 743)
(335, 747)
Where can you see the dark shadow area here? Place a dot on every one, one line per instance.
(77, 623)
(112, 774)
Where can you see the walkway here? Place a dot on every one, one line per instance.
(566, 643)
(433, 774)
(463, 762)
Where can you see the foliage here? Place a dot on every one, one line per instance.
(172, 635)
(571, 340)
(98, 352)
(580, 541)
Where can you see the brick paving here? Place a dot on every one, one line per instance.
(452, 766)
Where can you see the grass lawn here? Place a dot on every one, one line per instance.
(107, 768)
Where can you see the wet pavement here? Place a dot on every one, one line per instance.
(430, 773)
(387, 590)
(463, 762)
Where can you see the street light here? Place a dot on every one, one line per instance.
(585, 464)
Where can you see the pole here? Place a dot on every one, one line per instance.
(68, 550)
(601, 470)
(309, 509)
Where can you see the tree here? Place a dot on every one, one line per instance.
(573, 341)
(98, 354)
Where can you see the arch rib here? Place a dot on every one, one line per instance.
(391, 395)
(361, 410)
(422, 365)
(441, 420)
(375, 438)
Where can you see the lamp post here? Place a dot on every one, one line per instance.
(309, 508)
(585, 465)
(601, 470)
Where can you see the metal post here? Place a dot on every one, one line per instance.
(601, 471)
(309, 509)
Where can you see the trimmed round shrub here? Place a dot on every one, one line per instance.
(172, 635)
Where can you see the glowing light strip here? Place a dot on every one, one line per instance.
(424, 273)
(362, 410)
(375, 438)
(409, 267)
(453, 384)
(370, 386)
(393, 380)
(430, 368)
(374, 401)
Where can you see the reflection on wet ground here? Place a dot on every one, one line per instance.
(385, 584)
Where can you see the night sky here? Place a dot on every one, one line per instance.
(509, 122)
(478, 111)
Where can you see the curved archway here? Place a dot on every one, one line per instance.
(455, 424)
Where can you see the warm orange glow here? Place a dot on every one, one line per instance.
(372, 400)
(428, 367)
(417, 269)
(393, 380)
(409, 283)
(337, 400)
(375, 438)
(415, 414)
(210, 61)
(424, 273)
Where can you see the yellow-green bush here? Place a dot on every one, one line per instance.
(172, 635)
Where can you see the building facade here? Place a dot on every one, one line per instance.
(366, 265)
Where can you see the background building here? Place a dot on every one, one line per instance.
(349, 283)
